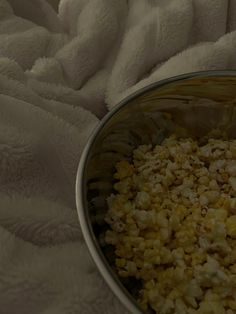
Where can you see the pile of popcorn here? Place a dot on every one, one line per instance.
(173, 225)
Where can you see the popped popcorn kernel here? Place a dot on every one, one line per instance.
(124, 169)
(173, 225)
(231, 226)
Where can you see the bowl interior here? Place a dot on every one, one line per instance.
(191, 105)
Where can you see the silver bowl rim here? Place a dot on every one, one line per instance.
(95, 251)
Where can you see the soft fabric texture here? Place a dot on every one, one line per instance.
(62, 66)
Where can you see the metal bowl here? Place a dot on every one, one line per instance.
(197, 102)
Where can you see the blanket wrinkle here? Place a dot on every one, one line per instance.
(99, 24)
(63, 65)
(69, 13)
(43, 13)
(166, 39)
(12, 70)
(231, 15)
(209, 27)
(25, 47)
(55, 224)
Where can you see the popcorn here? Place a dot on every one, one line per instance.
(231, 226)
(231, 167)
(142, 200)
(124, 169)
(232, 182)
(173, 225)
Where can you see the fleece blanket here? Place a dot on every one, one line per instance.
(63, 65)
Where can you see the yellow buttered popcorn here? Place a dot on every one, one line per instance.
(231, 226)
(124, 169)
(173, 225)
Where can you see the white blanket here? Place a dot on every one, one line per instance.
(58, 74)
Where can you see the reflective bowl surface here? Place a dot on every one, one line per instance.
(196, 102)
